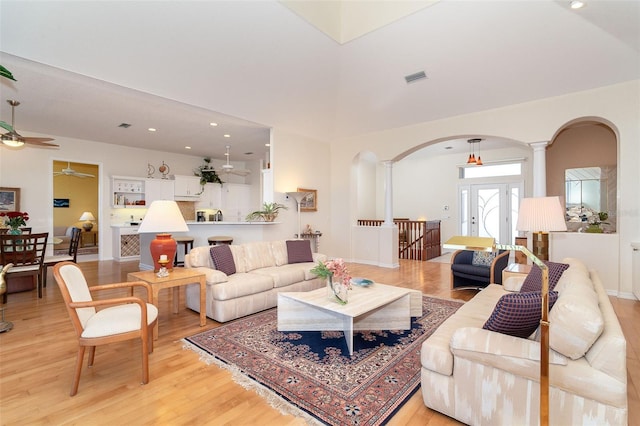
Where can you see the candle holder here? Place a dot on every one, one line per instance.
(163, 272)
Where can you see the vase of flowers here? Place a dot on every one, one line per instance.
(14, 220)
(338, 279)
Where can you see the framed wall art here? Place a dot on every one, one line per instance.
(310, 202)
(61, 202)
(10, 199)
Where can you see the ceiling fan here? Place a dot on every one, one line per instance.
(229, 168)
(70, 172)
(14, 139)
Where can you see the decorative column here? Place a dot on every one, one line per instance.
(388, 193)
(539, 168)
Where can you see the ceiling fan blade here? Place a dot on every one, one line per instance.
(82, 175)
(30, 141)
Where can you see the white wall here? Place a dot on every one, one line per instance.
(527, 123)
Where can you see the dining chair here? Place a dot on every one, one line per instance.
(71, 256)
(26, 252)
(121, 318)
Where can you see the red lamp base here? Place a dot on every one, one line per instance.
(163, 244)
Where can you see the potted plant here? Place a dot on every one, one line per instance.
(269, 212)
(206, 173)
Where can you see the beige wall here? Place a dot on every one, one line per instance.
(590, 145)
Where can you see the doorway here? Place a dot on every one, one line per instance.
(490, 210)
(76, 193)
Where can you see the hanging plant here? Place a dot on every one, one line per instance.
(6, 74)
(206, 173)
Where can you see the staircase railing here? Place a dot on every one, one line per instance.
(417, 239)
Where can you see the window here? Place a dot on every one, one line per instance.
(492, 170)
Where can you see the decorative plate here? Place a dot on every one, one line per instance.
(362, 282)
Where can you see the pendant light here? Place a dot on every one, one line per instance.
(472, 157)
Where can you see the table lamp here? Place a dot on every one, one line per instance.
(542, 214)
(298, 196)
(163, 217)
(87, 217)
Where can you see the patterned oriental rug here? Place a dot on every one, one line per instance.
(311, 375)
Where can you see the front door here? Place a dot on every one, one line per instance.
(490, 210)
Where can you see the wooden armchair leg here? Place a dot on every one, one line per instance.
(145, 359)
(76, 377)
(92, 355)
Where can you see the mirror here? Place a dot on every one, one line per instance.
(590, 194)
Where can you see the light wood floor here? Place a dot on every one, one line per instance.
(37, 359)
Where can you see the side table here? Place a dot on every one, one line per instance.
(514, 270)
(176, 278)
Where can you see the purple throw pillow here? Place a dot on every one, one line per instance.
(518, 314)
(223, 259)
(299, 251)
(533, 282)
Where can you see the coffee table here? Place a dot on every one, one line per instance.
(377, 307)
(176, 278)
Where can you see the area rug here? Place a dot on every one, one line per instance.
(81, 251)
(311, 375)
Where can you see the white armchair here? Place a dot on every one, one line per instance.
(123, 318)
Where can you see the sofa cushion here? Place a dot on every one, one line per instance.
(279, 250)
(518, 314)
(241, 284)
(258, 255)
(223, 259)
(199, 257)
(533, 282)
(576, 319)
(483, 258)
(299, 251)
(471, 270)
(282, 276)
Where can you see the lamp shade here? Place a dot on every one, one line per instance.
(163, 217)
(87, 216)
(541, 214)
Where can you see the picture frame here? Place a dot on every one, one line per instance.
(310, 202)
(9, 199)
(61, 203)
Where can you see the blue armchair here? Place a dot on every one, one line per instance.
(466, 274)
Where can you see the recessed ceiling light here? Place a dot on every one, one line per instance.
(124, 125)
(227, 136)
(448, 147)
(267, 144)
(213, 124)
(151, 129)
(576, 4)
(187, 147)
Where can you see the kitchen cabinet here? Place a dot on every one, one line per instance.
(158, 189)
(127, 192)
(187, 188)
(126, 243)
(211, 198)
(236, 201)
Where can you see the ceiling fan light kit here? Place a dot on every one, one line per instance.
(15, 140)
(70, 172)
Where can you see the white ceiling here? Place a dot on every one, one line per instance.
(191, 63)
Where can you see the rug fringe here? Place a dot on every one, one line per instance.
(276, 401)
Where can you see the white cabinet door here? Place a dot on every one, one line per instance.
(236, 199)
(158, 189)
(187, 186)
(211, 198)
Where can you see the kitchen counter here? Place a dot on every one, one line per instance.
(189, 223)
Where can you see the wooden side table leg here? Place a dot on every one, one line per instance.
(176, 299)
(203, 303)
(155, 302)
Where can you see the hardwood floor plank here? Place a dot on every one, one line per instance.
(37, 360)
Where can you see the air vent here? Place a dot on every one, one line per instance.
(125, 125)
(412, 78)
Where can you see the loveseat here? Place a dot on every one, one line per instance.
(64, 233)
(262, 270)
(483, 377)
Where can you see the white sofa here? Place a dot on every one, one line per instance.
(481, 377)
(262, 271)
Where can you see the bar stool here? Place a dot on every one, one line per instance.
(187, 243)
(217, 240)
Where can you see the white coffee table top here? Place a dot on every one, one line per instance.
(361, 299)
